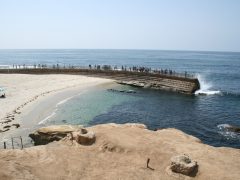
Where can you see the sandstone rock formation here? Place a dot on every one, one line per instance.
(84, 138)
(183, 164)
(49, 134)
(181, 85)
(120, 152)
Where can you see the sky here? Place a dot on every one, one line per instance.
(212, 25)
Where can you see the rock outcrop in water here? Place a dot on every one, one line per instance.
(122, 91)
(235, 129)
(127, 151)
(186, 86)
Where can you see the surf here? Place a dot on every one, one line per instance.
(228, 131)
(205, 87)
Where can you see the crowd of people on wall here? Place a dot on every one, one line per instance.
(107, 67)
(140, 69)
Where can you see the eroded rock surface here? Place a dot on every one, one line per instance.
(49, 134)
(183, 164)
(86, 138)
(121, 151)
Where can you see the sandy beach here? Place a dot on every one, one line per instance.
(25, 91)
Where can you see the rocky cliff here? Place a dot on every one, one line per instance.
(127, 151)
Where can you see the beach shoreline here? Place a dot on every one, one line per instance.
(38, 94)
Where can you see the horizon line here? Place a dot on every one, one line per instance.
(137, 49)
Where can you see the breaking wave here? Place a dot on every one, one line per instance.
(205, 87)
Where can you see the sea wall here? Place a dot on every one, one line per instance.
(179, 84)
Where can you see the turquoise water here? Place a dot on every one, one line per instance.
(82, 109)
(202, 116)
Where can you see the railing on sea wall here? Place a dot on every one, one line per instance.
(140, 69)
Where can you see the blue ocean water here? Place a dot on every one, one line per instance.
(202, 116)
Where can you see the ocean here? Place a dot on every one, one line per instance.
(203, 116)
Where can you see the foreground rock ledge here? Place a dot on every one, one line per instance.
(49, 134)
(119, 152)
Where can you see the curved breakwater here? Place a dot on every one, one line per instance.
(162, 80)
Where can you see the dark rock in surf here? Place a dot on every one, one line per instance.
(235, 129)
(122, 91)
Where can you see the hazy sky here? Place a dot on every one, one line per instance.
(121, 24)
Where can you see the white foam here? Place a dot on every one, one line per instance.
(223, 126)
(206, 92)
(223, 130)
(64, 101)
(47, 118)
(205, 87)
